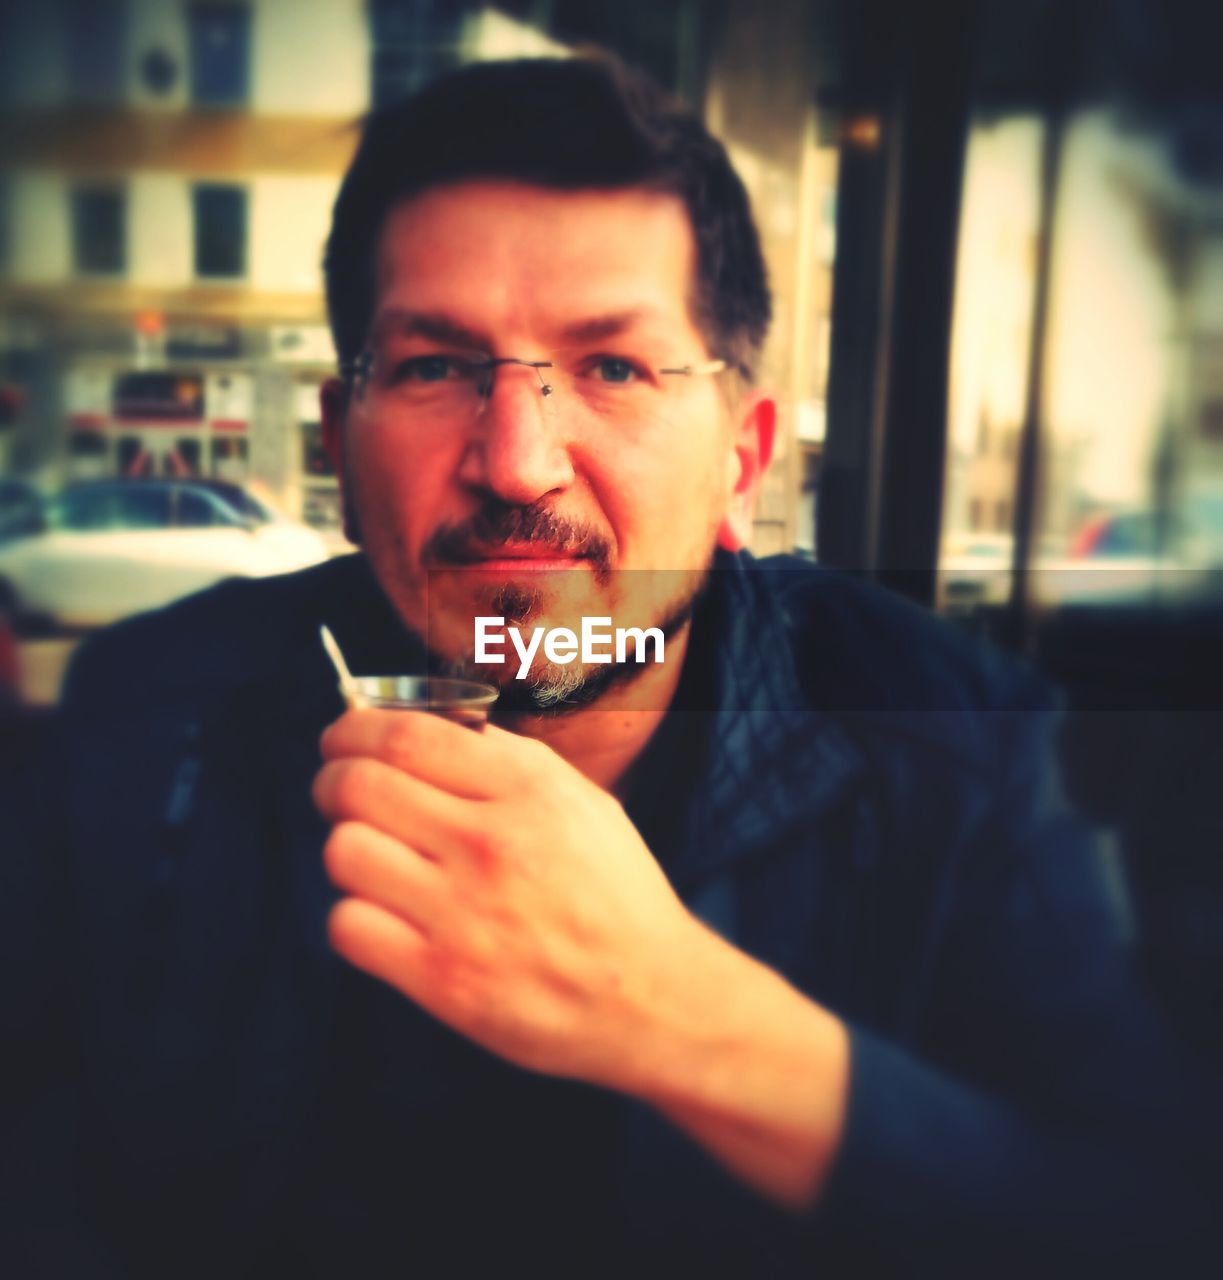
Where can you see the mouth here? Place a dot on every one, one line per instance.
(511, 558)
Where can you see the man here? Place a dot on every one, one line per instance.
(776, 955)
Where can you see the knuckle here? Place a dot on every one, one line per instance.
(325, 790)
(487, 851)
(401, 742)
(451, 980)
(352, 781)
(342, 852)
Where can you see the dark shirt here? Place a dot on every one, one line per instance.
(845, 788)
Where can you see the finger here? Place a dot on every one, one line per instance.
(383, 945)
(427, 747)
(371, 865)
(419, 815)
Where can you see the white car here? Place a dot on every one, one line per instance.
(112, 548)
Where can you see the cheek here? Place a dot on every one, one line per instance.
(663, 502)
(401, 487)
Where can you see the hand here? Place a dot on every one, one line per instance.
(502, 891)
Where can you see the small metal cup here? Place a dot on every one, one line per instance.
(466, 702)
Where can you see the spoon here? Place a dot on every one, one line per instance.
(348, 685)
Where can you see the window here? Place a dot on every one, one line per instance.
(229, 458)
(130, 457)
(219, 39)
(315, 460)
(97, 510)
(6, 225)
(195, 511)
(99, 236)
(220, 231)
(143, 509)
(87, 444)
(94, 37)
(411, 45)
(183, 459)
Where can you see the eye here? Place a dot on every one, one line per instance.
(431, 368)
(614, 370)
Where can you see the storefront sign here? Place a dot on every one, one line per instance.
(159, 397)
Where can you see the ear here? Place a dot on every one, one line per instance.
(333, 403)
(751, 449)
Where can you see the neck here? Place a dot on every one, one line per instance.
(605, 740)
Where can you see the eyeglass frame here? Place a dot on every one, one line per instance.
(357, 370)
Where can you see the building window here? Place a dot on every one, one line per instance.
(230, 458)
(412, 43)
(220, 231)
(99, 236)
(219, 36)
(315, 460)
(94, 34)
(6, 226)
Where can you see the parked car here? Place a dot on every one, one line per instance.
(21, 509)
(105, 549)
(1134, 556)
(975, 569)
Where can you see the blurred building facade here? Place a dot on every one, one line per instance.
(169, 174)
(166, 180)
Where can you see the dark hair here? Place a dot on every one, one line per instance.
(568, 124)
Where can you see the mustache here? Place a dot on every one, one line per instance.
(497, 525)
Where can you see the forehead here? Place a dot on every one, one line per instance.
(522, 260)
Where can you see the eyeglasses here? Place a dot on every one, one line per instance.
(457, 386)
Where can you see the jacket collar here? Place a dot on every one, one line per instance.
(772, 762)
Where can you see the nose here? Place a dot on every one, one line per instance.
(517, 450)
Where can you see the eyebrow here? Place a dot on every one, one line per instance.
(427, 324)
(439, 327)
(611, 325)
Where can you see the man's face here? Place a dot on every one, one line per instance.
(605, 496)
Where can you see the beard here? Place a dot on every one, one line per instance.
(555, 689)
(442, 619)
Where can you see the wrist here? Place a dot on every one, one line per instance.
(744, 1062)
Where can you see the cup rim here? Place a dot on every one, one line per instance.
(437, 691)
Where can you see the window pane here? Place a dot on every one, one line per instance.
(1130, 472)
(143, 509)
(6, 252)
(230, 460)
(411, 44)
(81, 512)
(990, 340)
(98, 231)
(1128, 505)
(86, 444)
(315, 460)
(219, 36)
(94, 36)
(194, 511)
(220, 231)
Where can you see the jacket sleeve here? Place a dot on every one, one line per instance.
(42, 1232)
(1039, 1117)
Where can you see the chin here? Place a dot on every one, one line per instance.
(549, 689)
